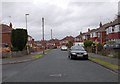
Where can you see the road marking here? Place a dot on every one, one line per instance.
(55, 75)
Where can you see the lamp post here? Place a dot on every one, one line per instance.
(26, 29)
(26, 19)
(43, 35)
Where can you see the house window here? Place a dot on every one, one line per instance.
(113, 28)
(83, 37)
(109, 30)
(117, 28)
(98, 34)
(91, 35)
(94, 34)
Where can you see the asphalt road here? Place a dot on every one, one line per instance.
(56, 67)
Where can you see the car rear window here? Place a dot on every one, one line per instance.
(77, 48)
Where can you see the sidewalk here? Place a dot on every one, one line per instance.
(105, 58)
(20, 59)
(110, 63)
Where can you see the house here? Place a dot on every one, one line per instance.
(86, 35)
(43, 44)
(113, 31)
(30, 41)
(79, 38)
(65, 40)
(94, 35)
(53, 43)
(5, 32)
(102, 33)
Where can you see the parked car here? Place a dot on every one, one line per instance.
(116, 46)
(64, 48)
(112, 46)
(77, 52)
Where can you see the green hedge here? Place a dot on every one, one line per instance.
(19, 39)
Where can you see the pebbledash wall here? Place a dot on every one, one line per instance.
(14, 54)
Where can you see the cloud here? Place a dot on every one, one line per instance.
(65, 17)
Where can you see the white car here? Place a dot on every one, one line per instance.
(64, 48)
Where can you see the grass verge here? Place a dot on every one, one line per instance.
(40, 55)
(37, 56)
(104, 63)
(47, 50)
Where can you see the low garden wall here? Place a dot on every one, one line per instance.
(14, 54)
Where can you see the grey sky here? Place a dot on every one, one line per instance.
(65, 17)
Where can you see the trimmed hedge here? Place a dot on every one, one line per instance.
(19, 39)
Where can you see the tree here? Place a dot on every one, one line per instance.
(19, 39)
(69, 44)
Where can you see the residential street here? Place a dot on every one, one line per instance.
(56, 67)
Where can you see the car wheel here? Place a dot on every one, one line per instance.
(71, 57)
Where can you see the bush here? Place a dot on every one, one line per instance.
(19, 39)
(99, 47)
(88, 43)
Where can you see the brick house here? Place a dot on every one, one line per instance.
(86, 35)
(94, 35)
(102, 33)
(6, 34)
(65, 40)
(30, 41)
(113, 31)
(79, 38)
(53, 43)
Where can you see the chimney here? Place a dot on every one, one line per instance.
(88, 29)
(10, 25)
(100, 24)
(80, 33)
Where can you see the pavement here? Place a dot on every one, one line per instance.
(111, 60)
(105, 58)
(22, 59)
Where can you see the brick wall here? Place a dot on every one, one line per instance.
(6, 38)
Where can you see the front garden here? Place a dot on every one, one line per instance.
(98, 48)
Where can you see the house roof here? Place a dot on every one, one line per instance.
(68, 38)
(116, 21)
(105, 26)
(5, 28)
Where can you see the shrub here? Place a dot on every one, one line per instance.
(88, 43)
(19, 39)
(99, 47)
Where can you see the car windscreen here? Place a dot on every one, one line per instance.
(77, 48)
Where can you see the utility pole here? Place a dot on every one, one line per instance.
(43, 35)
(51, 34)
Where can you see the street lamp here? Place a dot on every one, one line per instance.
(26, 29)
(43, 35)
(26, 19)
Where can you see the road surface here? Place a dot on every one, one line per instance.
(56, 67)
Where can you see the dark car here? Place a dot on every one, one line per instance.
(77, 52)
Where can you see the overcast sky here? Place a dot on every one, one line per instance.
(64, 17)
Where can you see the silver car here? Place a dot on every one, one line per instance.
(77, 52)
(64, 48)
